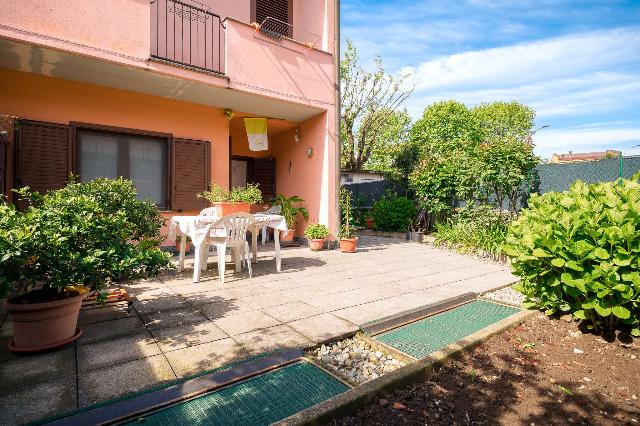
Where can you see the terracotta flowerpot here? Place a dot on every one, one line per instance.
(187, 246)
(224, 209)
(42, 326)
(348, 245)
(316, 244)
(369, 222)
(289, 237)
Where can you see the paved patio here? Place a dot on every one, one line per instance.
(179, 328)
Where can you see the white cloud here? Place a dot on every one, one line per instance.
(591, 93)
(529, 62)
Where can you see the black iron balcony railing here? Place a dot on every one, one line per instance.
(187, 35)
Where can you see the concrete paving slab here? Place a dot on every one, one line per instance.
(110, 352)
(159, 304)
(199, 358)
(322, 327)
(223, 309)
(98, 331)
(39, 400)
(19, 370)
(172, 317)
(108, 312)
(291, 311)
(113, 382)
(182, 336)
(245, 322)
(273, 338)
(266, 300)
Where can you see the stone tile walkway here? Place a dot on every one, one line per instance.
(178, 328)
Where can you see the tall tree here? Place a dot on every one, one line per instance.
(389, 144)
(370, 103)
(505, 156)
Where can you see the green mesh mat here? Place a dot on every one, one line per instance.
(261, 400)
(428, 335)
(149, 390)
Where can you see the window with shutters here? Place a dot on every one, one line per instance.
(142, 159)
(275, 16)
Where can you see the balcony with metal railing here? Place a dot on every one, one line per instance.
(187, 35)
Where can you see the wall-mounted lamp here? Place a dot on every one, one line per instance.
(309, 152)
(296, 136)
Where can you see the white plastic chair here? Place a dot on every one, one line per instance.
(270, 210)
(209, 211)
(230, 231)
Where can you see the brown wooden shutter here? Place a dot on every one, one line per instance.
(6, 144)
(43, 160)
(190, 173)
(264, 174)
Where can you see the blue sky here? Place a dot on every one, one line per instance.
(577, 63)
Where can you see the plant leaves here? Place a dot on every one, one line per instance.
(621, 312)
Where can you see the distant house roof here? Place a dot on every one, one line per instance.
(584, 156)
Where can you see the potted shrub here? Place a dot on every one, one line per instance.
(316, 233)
(67, 243)
(347, 236)
(236, 200)
(290, 210)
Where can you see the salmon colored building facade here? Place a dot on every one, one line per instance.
(156, 91)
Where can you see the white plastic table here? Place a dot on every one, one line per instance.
(196, 228)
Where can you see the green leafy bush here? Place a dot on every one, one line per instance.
(475, 229)
(81, 235)
(579, 252)
(393, 214)
(244, 194)
(316, 231)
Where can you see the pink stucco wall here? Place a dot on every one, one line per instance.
(120, 26)
(311, 178)
(281, 69)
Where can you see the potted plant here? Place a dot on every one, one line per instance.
(290, 210)
(187, 248)
(236, 200)
(66, 244)
(348, 238)
(316, 233)
(369, 222)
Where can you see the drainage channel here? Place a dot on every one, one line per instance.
(425, 336)
(259, 392)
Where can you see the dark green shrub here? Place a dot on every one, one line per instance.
(393, 214)
(82, 235)
(579, 252)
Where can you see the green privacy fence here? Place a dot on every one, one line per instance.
(559, 177)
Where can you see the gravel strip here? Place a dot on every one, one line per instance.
(506, 295)
(355, 360)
